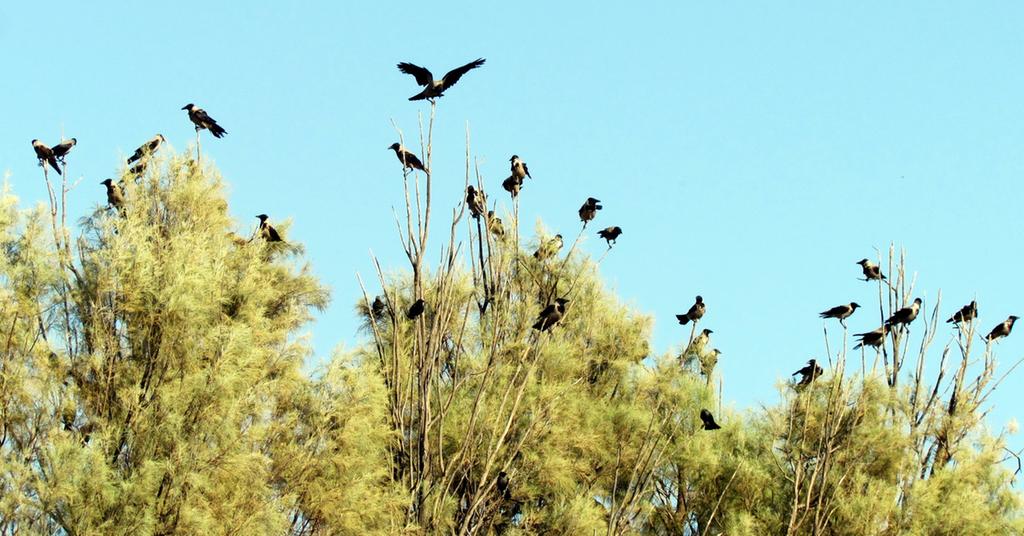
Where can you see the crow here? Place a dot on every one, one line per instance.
(266, 231)
(519, 169)
(202, 120)
(61, 150)
(905, 315)
(45, 155)
(965, 314)
(115, 197)
(871, 270)
(610, 234)
(416, 309)
(694, 314)
(1002, 330)
(512, 185)
(811, 371)
(433, 89)
(502, 485)
(476, 201)
(873, 338)
(494, 225)
(551, 315)
(549, 249)
(149, 147)
(841, 312)
(377, 307)
(407, 159)
(708, 420)
(589, 209)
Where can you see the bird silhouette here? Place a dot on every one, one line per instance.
(202, 120)
(708, 420)
(695, 313)
(433, 89)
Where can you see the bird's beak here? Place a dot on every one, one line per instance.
(184, 107)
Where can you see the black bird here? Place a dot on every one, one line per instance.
(549, 248)
(115, 197)
(406, 157)
(62, 149)
(494, 225)
(45, 155)
(872, 338)
(695, 313)
(610, 234)
(149, 147)
(378, 306)
(502, 486)
(872, 272)
(1002, 330)
(589, 209)
(433, 89)
(476, 201)
(811, 371)
(416, 309)
(266, 231)
(905, 315)
(841, 312)
(965, 314)
(512, 185)
(202, 120)
(708, 420)
(551, 315)
(519, 169)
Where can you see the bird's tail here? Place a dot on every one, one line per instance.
(217, 131)
(683, 319)
(53, 163)
(539, 325)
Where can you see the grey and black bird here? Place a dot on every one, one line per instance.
(708, 420)
(115, 197)
(551, 315)
(695, 313)
(905, 315)
(512, 185)
(494, 225)
(702, 339)
(965, 314)
(147, 148)
(872, 338)
(61, 150)
(406, 157)
(549, 248)
(1002, 330)
(610, 234)
(202, 120)
(378, 307)
(476, 201)
(433, 89)
(45, 155)
(810, 371)
(872, 272)
(502, 486)
(519, 169)
(841, 312)
(416, 309)
(266, 231)
(589, 209)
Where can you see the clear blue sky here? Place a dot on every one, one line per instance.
(752, 152)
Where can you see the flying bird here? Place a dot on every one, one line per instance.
(589, 209)
(694, 314)
(872, 272)
(433, 89)
(407, 158)
(202, 120)
(873, 338)
(905, 315)
(45, 155)
(149, 147)
(416, 309)
(551, 315)
(62, 149)
(549, 249)
(512, 185)
(115, 197)
(1002, 330)
(708, 420)
(810, 371)
(965, 314)
(610, 234)
(841, 312)
(519, 169)
(266, 231)
(494, 225)
(476, 201)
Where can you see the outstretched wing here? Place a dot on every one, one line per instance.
(423, 76)
(454, 75)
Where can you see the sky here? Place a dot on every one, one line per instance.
(752, 152)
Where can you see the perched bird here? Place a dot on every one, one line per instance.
(476, 201)
(810, 371)
(149, 147)
(905, 315)
(519, 169)
(965, 314)
(873, 338)
(115, 197)
(708, 420)
(202, 120)
(266, 231)
(551, 315)
(708, 361)
(549, 249)
(407, 159)
(502, 486)
(62, 149)
(589, 209)
(512, 185)
(494, 225)
(416, 309)
(695, 313)
(610, 234)
(377, 307)
(1002, 330)
(871, 270)
(702, 339)
(138, 168)
(45, 155)
(841, 312)
(433, 89)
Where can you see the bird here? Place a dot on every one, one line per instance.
(202, 120)
(871, 270)
(701, 340)
(1002, 330)
(45, 155)
(494, 225)
(62, 149)
(266, 231)
(378, 306)
(406, 157)
(695, 313)
(433, 89)
(708, 361)
(549, 248)
(476, 201)
(502, 485)
(610, 234)
(519, 169)
(551, 315)
(873, 338)
(810, 371)
(512, 185)
(905, 315)
(149, 147)
(589, 209)
(841, 312)
(965, 314)
(115, 197)
(708, 420)
(416, 309)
